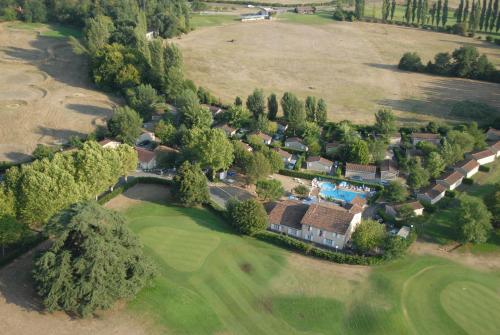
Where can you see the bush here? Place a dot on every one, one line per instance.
(411, 62)
(307, 249)
(497, 41)
(460, 28)
(484, 168)
(451, 194)
(489, 38)
(468, 181)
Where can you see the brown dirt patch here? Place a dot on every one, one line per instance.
(137, 194)
(247, 268)
(21, 311)
(351, 65)
(40, 77)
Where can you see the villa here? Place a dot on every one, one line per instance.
(468, 167)
(451, 180)
(287, 157)
(393, 209)
(147, 158)
(319, 164)
(432, 194)
(360, 171)
(425, 137)
(482, 157)
(295, 143)
(330, 226)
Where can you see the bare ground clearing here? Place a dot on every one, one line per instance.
(351, 65)
(138, 193)
(45, 94)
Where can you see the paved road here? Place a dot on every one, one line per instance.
(221, 194)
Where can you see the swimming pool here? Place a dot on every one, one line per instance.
(329, 190)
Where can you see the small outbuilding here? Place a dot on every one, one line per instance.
(359, 171)
(451, 180)
(295, 143)
(319, 164)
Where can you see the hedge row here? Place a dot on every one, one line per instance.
(310, 176)
(26, 246)
(309, 250)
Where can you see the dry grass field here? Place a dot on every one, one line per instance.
(351, 65)
(45, 94)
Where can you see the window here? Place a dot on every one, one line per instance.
(292, 231)
(310, 228)
(320, 232)
(328, 242)
(275, 226)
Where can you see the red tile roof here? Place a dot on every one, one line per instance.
(288, 213)
(263, 136)
(332, 219)
(283, 153)
(434, 190)
(495, 146)
(415, 205)
(144, 155)
(481, 154)
(357, 200)
(451, 177)
(294, 139)
(468, 165)
(320, 160)
(359, 167)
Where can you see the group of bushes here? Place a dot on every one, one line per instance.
(464, 62)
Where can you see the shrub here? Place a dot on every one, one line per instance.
(451, 194)
(410, 62)
(489, 38)
(248, 217)
(484, 168)
(468, 181)
(301, 190)
(497, 41)
(460, 28)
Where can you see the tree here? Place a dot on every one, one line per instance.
(368, 235)
(474, 220)
(414, 11)
(395, 191)
(393, 9)
(418, 177)
(310, 106)
(272, 107)
(396, 246)
(44, 151)
(125, 125)
(165, 131)
(408, 11)
(492, 201)
(460, 10)
(488, 16)
(275, 160)
(419, 11)
(257, 167)
(385, 122)
(433, 13)
(359, 9)
(94, 261)
(356, 151)
(97, 32)
(293, 109)
(238, 101)
(445, 13)
(142, 99)
(236, 116)
(377, 150)
(11, 231)
(256, 103)
(301, 190)
(269, 190)
(438, 13)
(191, 187)
(483, 15)
(435, 164)
(248, 216)
(410, 62)
(466, 11)
(475, 16)
(211, 148)
(477, 134)
(321, 112)
(385, 9)
(494, 15)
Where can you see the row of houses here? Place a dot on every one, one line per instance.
(467, 168)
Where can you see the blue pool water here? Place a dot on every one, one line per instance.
(331, 191)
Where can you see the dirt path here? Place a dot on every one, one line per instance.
(480, 262)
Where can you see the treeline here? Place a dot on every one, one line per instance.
(34, 192)
(464, 62)
(169, 17)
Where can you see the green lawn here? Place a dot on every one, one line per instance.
(48, 30)
(440, 227)
(200, 21)
(321, 17)
(212, 281)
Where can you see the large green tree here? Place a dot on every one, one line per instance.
(474, 220)
(492, 201)
(11, 231)
(293, 110)
(395, 191)
(272, 107)
(418, 177)
(191, 187)
(94, 261)
(142, 99)
(368, 235)
(248, 216)
(256, 103)
(269, 190)
(435, 164)
(125, 125)
(385, 122)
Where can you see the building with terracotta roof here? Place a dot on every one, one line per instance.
(451, 179)
(495, 148)
(331, 226)
(319, 164)
(147, 158)
(425, 137)
(468, 167)
(482, 156)
(388, 170)
(295, 143)
(432, 194)
(285, 155)
(360, 171)
(415, 206)
(493, 134)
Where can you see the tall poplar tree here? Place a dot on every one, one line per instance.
(474, 17)
(438, 12)
(393, 9)
(433, 13)
(408, 11)
(460, 11)
(425, 11)
(494, 15)
(466, 11)
(445, 13)
(483, 15)
(488, 16)
(419, 11)
(414, 11)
